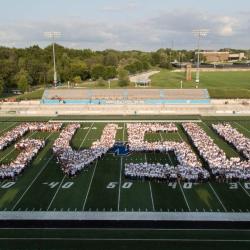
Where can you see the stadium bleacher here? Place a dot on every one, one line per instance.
(125, 96)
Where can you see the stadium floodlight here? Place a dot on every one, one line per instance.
(199, 33)
(53, 35)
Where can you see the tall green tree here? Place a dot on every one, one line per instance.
(97, 72)
(111, 59)
(123, 78)
(110, 72)
(23, 81)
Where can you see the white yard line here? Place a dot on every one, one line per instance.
(182, 191)
(120, 177)
(45, 165)
(180, 135)
(151, 194)
(12, 125)
(244, 190)
(185, 198)
(92, 177)
(150, 188)
(217, 196)
(59, 187)
(243, 127)
(161, 137)
(123, 133)
(119, 192)
(14, 148)
(86, 136)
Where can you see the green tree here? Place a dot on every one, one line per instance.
(131, 68)
(23, 80)
(79, 68)
(145, 65)
(50, 75)
(123, 78)
(166, 65)
(97, 72)
(138, 66)
(1, 86)
(77, 79)
(110, 72)
(111, 59)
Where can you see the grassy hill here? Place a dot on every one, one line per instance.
(219, 84)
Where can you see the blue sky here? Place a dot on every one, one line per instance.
(132, 24)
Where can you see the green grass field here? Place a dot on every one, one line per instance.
(33, 95)
(43, 187)
(219, 84)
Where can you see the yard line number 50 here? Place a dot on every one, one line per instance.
(125, 185)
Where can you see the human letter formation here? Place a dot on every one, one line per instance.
(188, 168)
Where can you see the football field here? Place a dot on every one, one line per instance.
(103, 187)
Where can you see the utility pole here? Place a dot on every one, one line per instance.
(53, 35)
(199, 34)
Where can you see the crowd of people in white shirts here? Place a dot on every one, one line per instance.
(188, 168)
(232, 136)
(224, 169)
(19, 131)
(73, 161)
(29, 147)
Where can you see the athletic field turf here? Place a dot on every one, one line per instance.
(44, 187)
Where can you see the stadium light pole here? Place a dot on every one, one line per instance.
(199, 33)
(53, 35)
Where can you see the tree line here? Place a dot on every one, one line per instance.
(26, 68)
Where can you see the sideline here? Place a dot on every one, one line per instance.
(124, 216)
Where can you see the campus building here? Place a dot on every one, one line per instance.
(215, 56)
